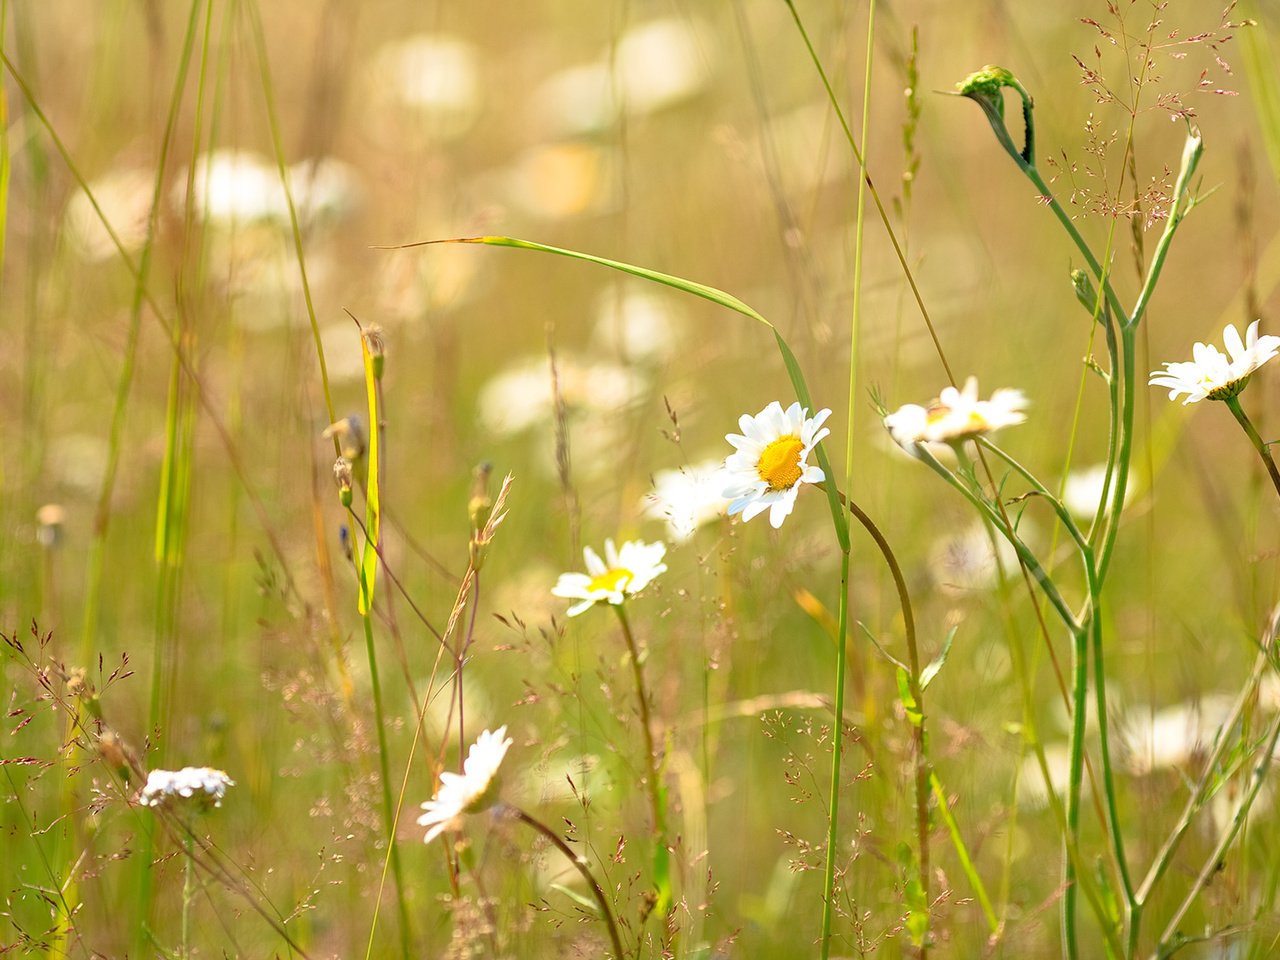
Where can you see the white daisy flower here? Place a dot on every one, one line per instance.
(687, 498)
(956, 415)
(205, 785)
(471, 791)
(769, 467)
(1212, 374)
(619, 575)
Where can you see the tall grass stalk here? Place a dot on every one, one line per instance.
(367, 564)
(842, 627)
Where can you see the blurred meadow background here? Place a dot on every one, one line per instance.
(176, 577)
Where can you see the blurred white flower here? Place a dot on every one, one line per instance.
(522, 395)
(325, 190)
(622, 573)
(965, 561)
(1032, 791)
(1172, 737)
(1213, 375)
(558, 181)
(769, 467)
(436, 75)
(236, 188)
(956, 415)
(688, 497)
(655, 65)
(125, 199)
(659, 64)
(1082, 491)
(634, 324)
(475, 789)
(233, 187)
(204, 785)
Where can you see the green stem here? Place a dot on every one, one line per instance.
(1233, 404)
(1079, 668)
(1108, 779)
(837, 756)
(1213, 863)
(966, 861)
(922, 772)
(657, 807)
(188, 895)
(997, 519)
(1194, 801)
(388, 806)
(580, 865)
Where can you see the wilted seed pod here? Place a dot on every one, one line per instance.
(49, 521)
(350, 434)
(342, 475)
(377, 348)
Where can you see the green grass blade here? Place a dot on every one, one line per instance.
(706, 292)
(373, 508)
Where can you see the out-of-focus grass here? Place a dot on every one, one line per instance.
(743, 183)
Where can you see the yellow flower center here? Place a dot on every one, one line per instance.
(779, 465)
(612, 581)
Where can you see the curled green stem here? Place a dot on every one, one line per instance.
(597, 891)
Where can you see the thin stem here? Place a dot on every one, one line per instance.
(1233, 404)
(389, 810)
(837, 757)
(1079, 672)
(1108, 780)
(1165, 857)
(922, 774)
(875, 194)
(656, 806)
(1214, 861)
(188, 894)
(1001, 523)
(580, 865)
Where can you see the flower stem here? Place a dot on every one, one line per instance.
(657, 806)
(596, 890)
(389, 809)
(922, 775)
(1233, 404)
(837, 757)
(188, 895)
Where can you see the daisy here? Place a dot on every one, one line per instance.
(956, 415)
(620, 574)
(205, 785)
(769, 466)
(687, 498)
(1213, 375)
(471, 791)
